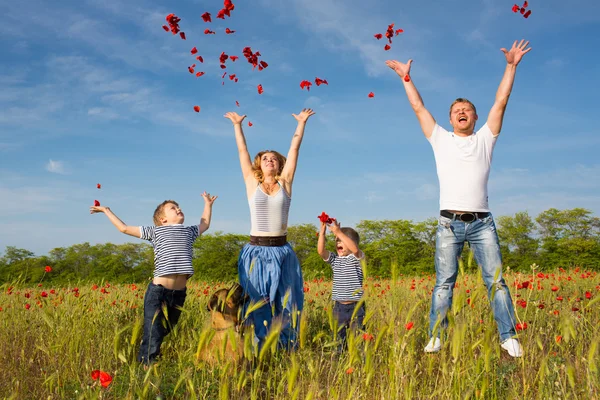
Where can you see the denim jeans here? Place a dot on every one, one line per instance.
(343, 315)
(483, 239)
(157, 325)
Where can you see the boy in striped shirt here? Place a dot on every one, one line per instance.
(173, 247)
(347, 288)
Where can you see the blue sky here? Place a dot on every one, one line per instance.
(96, 92)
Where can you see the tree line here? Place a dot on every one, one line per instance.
(555, 238)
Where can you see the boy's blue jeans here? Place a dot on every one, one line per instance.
(483, 239)
(157, 325)
(343, 316)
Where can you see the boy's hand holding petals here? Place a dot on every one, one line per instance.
(235, 118)
(335, 226)
(304, 115)
(401, 69)
(516, 52)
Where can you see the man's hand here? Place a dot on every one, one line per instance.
(208, 199)
(304, 115)
(401, 69)
(98, 209)
(235, 117)
(516, 52)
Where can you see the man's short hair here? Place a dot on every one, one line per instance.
(461, 100)
(352, 234)
(158, 213)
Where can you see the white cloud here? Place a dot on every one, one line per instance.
(57, 167)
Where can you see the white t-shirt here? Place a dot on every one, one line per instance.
(463, 168)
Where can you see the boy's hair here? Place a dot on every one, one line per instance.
(159, 211)
(461, 100)
(351, 233)
(256, 164)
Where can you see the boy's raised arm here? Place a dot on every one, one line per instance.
(207, 214)
(120, 225)
(423, 115)
(321, 243)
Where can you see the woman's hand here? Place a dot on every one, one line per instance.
(235, 118)
(303, 116)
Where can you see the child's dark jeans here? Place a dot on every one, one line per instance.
(343, 315)
(157, 325)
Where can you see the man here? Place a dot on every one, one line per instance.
(463, 159)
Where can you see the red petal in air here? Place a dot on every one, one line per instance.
(208, 32)
(235, 80)
(320, 82)
(166, 28)
(194, 50)
(191, 69)
(249, 123)
(527, 14)
(182, 34)
(197, 108)
(229, 31)
(231, 77)
(387, 47)
(515, 8)
(264, 64)
(199, 74)
(206, 17)
(199, 58)
(233, 58)
(399, 31)
(96, 203)
(389, 33)
(223, 66)
(237, 103)
(223, 76)
(378, 36)
(221, 14)
(522, 10)
(260, 68)
(525, 4)
(305, 84)
(99, 186)
(223, 57)
(260, 89)
(371, 94)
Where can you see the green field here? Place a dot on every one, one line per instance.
(51, 339)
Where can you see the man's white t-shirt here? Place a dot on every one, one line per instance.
(463, 168)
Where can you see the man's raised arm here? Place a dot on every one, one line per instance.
(513, 57)
(425, 118)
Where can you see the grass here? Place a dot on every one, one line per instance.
(50, 350)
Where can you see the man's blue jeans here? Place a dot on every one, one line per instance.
(483, 240)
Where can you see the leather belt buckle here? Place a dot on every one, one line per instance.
(467, 217)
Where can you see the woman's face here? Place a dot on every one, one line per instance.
(269, 164)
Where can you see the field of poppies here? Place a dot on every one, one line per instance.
(81, 342)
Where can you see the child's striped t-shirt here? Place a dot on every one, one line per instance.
(173, 245)
(347, 277)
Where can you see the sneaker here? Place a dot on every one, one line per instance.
(433, 346)
(513, 347)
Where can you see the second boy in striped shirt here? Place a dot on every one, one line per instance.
(347, 291)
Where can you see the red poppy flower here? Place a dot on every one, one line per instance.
(350, 370)
(378, 36)
(206, 17)
(105, 379)
(305, 84)
(320, 82)
(367, 337)
(182, 35)
(525, 284)
(27, 306)
(199, 74)
(199, 58)
(588, 295)
(197, 109)
(371, 95)
(48, 268)
(521, 327)
(406, 78)
(325, 218)
(409, 326)
(541, 306)
(95, 374)
(96, 203)
(229, 31)
(208, 32)
(44, 294)
(260, 89)
(387, 47)
(250, 123)
(515, 8)
(554, 288)
(237, 103)
(558, 339)
(194, 50)
(559, 298)
(575, 308)
(527, 14)
(233, 58)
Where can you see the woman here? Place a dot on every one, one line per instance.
(268, 268)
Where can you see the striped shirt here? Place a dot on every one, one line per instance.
(347, 277)
(269, 214)
(173, 246)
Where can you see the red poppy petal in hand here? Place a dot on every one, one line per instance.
(324, 217)
(371, 94)
(206, 17)
(260, 89)
(250, 123)
(96, 203)
(387, 47)
(406, 78)
(197, 109)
